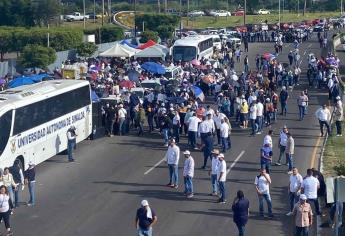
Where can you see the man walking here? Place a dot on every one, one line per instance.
(188, 174)
(323, 115)
(295, 183)
(172, 157)
(302, 102)
(284, 95)
(213, 172)
(240, 207)
(221, 178)
(193, 129)
(339, 117)
(290, 150)
(71, 142)
(145, 219)
(266, 157)
(262, 185)
(282, 144)
(303, 216)
(30, 180)
(224, 134)
(310, 185)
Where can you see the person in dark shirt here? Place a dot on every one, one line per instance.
(145, 219)
(30, 180)
(240, 208)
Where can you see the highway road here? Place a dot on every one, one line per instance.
(100, 192)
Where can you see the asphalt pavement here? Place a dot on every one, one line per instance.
(100, 193)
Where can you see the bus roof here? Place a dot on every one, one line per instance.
(23, 95)
(192, 40)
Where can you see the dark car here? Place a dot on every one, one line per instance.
(92, 16)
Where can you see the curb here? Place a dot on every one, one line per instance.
(120, 24)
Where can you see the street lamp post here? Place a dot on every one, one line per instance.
(298, 8)
(84, 14)
(181, 18)
(135, 14)
(245, 12)
(279, 15)
(341, 7)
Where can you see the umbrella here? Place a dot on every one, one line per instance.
(20, 82)
(195, 62)
(268, 56)
(94, 96)
(153, 68)
(201, 67)
(2, 81)
(133, 75)
(126, 84)
(198, 93)
(208, 79)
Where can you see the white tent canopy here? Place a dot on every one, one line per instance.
(119, 50)
(153, 52)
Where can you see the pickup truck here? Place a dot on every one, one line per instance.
(76, 16)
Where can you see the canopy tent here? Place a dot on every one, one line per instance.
(39, 78)
(128, 43)
(20, 82)
(119, 50)
(198, 93)
(148, 44)
(153, 68)
(153, 52)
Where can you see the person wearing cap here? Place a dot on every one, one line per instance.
(303, 216)
(172, 158)
(71, 142)
(339, 117)
(324, 115)
(221, 178)
(121, 118)
(165, 126)
(295, 183)
(193, 123)
(283, 138)
(262, 185)
(283, 97)
(30, 180)
(213, 172)
(188, 174)
(145, 219)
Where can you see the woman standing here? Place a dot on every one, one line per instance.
(5, 208)
(9, 183)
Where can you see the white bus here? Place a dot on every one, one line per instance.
(217, 43)
(192, 47)
(34, 119)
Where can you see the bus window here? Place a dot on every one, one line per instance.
(5, 127)
(184, 53)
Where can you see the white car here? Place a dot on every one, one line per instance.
(220, 13)
(263, 12)
(233, 40)
(196, 13)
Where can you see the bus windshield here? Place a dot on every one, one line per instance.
(184, 53)
(5, 127)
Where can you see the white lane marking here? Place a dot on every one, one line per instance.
(152, 168)
(235, 161)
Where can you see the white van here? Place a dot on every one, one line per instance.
(217, 43)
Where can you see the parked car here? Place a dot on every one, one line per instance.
(238, 13)
(233, 40)
(219, 13)
(196, 13)
(92, 16)
(263, 12)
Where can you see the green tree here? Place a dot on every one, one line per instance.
(37, 56)
(147, 35)
(86, 49)
(165, 31)
(52, 8)
(5, 43)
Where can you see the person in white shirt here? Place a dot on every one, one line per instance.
(213, 172)
(5, 208)
(193, 123)
(217, 120)
(324, 115)
(204, 130)
(221, 178)
(262, 185)
(295, 183)
(188, 174)
(252, 117)
(282, 144)
(259, 116)
(268, 138)
(309, 187)
(172, 157)
(224, 134)
(121, 118)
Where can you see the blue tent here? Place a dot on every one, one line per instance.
(38, 78)
(94, 96)
(20, 82)
(198, 93)
(153, 67)
(125, 42)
